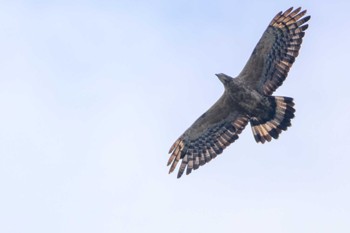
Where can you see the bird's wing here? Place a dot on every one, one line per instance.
(209, 135)
(276, 51)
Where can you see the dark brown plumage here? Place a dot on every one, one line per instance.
(247, 98)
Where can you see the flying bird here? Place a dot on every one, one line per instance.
(247, 98)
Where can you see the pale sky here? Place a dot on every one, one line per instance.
(94, 93)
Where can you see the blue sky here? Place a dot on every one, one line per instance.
(93, 94)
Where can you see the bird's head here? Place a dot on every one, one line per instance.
(225, 79)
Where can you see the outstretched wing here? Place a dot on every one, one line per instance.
(209, 135)
(276, 51)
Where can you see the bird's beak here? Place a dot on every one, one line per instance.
(220, 78)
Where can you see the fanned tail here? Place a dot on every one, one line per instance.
(265, 130)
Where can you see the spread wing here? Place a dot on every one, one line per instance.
(276, 51)
(209, 135)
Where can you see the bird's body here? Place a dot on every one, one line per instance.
(238, 97)
(247, 98)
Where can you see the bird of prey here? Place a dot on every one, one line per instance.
(247, 98)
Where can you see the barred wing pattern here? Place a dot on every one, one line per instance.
(197, 152)
(276, 51)
(247, 97)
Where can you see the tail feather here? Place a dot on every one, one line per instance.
(265, 130)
